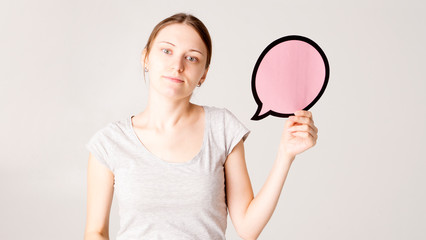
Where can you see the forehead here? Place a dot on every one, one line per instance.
(181, 35)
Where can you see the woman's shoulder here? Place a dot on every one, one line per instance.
(113, 127)
(216, 109)
(221, 113)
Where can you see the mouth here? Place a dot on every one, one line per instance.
(173, 79)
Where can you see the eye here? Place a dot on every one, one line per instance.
(166, 51)
(192, 59)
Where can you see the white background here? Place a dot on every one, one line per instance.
(70, 67)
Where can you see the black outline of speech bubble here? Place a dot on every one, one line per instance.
(259, 60)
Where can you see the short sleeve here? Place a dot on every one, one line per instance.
(98, 145)
(235, 130)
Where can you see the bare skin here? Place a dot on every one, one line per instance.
(179, 143)
(172, 126)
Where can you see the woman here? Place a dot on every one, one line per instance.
(176, 167)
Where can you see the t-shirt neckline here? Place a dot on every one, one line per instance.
(158, 159)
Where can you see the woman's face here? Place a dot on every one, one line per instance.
(176, 61)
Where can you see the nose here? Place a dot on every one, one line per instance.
(178, 64)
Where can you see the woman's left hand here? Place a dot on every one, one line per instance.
(299, 134)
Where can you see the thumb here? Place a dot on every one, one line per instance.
(288, 123)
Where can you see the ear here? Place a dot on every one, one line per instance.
(203, 78)
(143, 55)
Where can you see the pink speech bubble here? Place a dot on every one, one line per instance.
(291, 74)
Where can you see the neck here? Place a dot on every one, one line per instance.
(163, 113)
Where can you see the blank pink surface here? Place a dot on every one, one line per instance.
(289, 77)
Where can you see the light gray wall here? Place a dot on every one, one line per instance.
(70, 67)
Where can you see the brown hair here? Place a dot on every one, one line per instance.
(185, 19)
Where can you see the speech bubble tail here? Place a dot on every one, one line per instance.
(260, 113)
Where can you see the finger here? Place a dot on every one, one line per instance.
(303, 113)
(312, 125)
(288, 123)
(304, 120)
(304, 128)
(306, 136)
(303, 134)
(300, 119)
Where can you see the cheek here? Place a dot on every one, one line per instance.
(201, 72)
(156, 60)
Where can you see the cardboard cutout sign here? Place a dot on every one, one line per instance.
(291, 74)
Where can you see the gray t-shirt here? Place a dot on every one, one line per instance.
(164, 200)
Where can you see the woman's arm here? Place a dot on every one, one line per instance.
(251, 214)
(100, 190)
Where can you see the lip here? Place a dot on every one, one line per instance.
(173, 79)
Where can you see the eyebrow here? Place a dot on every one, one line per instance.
(193, 50)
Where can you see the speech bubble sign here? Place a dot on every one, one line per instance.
(291, 74)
